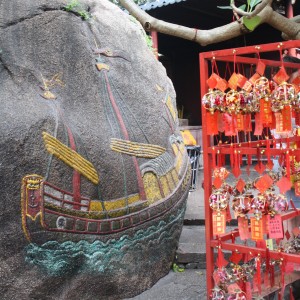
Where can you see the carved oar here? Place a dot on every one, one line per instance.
(70, 157)
(136, 149)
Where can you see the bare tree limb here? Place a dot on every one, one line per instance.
(256, 11)
(215, 35)
(295, 19)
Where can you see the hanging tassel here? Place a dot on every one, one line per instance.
(236, 165)
(268, 151)
(248, 290)
(231, 156)
(273, 125)
(249, 163)
(258, 274)
(272, 275)
(288, 165)
(281, 293)
(297, 118)
(267, 273)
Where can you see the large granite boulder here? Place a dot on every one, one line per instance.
(93, 172)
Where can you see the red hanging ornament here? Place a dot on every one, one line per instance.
(264, 183)
(212, 123)
(213, 101)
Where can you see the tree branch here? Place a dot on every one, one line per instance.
(295, 19)
(215, 35)
(256, 11)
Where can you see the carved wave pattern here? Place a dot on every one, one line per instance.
(59, 259)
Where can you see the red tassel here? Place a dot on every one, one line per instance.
(236, 164)
(288, 165)
(232, 156)
(268, 151)
(281, 293)
(272, 275)
(267, 273)
(297, 118)
(258, 274)
(248, 290)
(249, 161)
(273, 125)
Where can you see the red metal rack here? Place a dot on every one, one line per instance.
(244, 55)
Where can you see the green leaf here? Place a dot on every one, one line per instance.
(224, 7)
(253, 3)
(243, 7)
(176, 268)
(251, 23)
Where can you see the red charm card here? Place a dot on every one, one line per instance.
(213, 80)
(275, 227)
(264, 183)
(257, 229)
(243, 228)
(281, 76)
(219, 222)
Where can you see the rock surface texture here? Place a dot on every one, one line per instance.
(93, 171)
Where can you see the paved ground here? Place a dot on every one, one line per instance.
(187, 285)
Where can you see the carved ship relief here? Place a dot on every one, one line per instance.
(162, 180)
